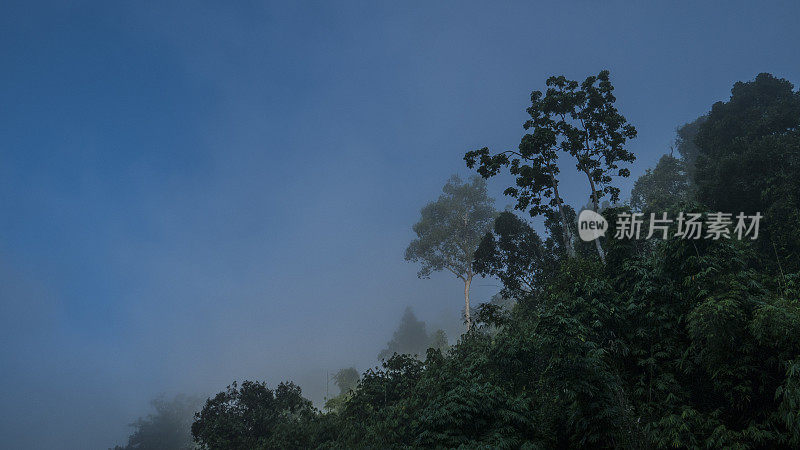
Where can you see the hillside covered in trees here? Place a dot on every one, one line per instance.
(621, 343)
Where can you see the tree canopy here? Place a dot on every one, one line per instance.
(580, 119)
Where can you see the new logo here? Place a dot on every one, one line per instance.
(591, 225)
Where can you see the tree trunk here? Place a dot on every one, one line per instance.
(567, 234)
(467, 282)
(596, 209)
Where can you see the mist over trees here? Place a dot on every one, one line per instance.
(168, 428)
(662, 187)
(449, 231)
(412, 338)
(672, 343)
(346, 379)
(686, 146)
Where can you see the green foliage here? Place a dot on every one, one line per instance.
(744, 144)
(255, 417)
(683, 346)
(451, 228)
(672, 344)
(763, 107)
(535, 165)
(515, 254)
(594, 131)
(749, 160)
(579, 119)
(555, 243)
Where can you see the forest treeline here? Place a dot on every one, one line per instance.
(622, 343)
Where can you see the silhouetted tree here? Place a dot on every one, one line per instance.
(412, 338)
(534, 164)
(515, 254)
(582, 120)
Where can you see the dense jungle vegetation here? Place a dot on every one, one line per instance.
(626, 343)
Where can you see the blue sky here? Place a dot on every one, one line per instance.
(197, 192)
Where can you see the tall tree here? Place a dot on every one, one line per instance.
(580, 119)
(593, 131)
(535, 165)
(450, 229)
